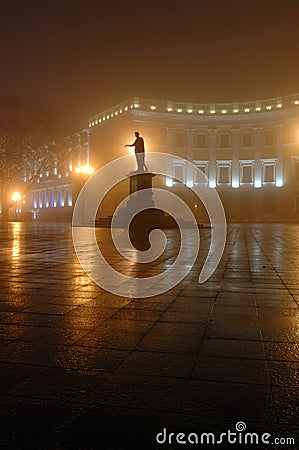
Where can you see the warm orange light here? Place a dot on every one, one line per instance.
(85, 170)
(16, 197)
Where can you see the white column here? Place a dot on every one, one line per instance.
(235, 158)
(258, 155)
(279, 164)
(212, 159)
(169, 150)
(190, 144)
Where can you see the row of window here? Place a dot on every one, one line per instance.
(224, 140)
(52, 198)
(224, 172)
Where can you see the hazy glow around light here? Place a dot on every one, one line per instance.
(247, 110)
(279, 182)
(85, 170)
(235, 184)
(169, 109)
(212, 111)
(296, 102)
(16, 197)
(153, 107)
(269, 107)
(224, 111)
(200, 111)
(190, 111)
(179, 110)
(236, 111)
(169, 182)
(279, 105)
(212, 184)
(257, 108)
(257, 184)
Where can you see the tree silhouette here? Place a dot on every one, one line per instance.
(26, 128)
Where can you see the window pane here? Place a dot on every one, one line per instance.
(269, 173)
(200, 141)
(247, 174)
(224, 140)
(198, 178)
(223, 174)
(269, 138)
(179, 140)
(247, 140)
(178, 173)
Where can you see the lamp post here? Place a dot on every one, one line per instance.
(16, 199)
(84, 172)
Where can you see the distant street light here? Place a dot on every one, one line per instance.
(86, 170)
(16, 197)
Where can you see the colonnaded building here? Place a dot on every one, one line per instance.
(248, 150)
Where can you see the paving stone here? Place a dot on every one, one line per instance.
(83, 368)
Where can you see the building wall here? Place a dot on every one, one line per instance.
(249, 151)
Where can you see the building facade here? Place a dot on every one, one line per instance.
(248, 150)
(58, 176)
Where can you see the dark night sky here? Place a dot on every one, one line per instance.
(85, 56)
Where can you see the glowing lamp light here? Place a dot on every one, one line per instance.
(258, 184)
(257, 108)
(179, 110)
(212, 184)
(16, 197)
(223, 111)
(235, 184)
(269, 108)
(153, 107)
(85, 170)
(279, 105)
(236, 111)
(189, 184)
(136, 105)
(169, 109)
(296, 102)
(200, 111)
(279, 183)
(169, 182)
(247, 110)
(190, 111)
(212, 111)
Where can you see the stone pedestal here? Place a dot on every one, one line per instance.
(141, 206)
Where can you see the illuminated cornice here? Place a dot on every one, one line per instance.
(196, 110)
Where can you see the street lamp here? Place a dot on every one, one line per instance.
(16, 198)
(86, 170)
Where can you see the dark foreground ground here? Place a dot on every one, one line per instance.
(85, 369)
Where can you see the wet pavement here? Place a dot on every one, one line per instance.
(82, 368)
